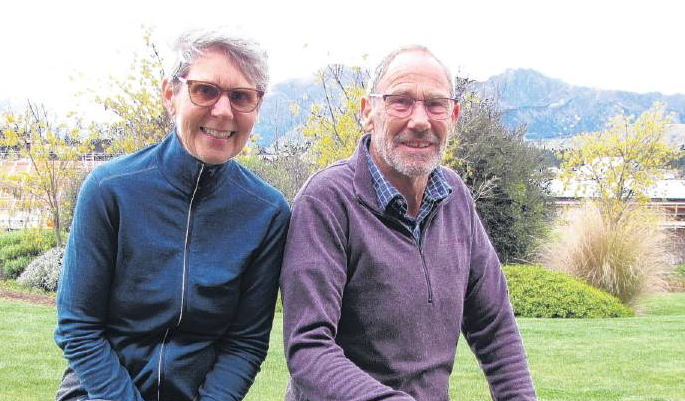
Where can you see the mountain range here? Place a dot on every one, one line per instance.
(549, 107)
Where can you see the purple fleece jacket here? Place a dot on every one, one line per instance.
(370, 315)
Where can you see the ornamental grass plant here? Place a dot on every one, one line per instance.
(627, 259)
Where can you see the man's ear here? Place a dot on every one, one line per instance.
(367, 121)
(168, 96)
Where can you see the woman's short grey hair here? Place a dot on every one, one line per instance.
(381, 69)
(247, 55)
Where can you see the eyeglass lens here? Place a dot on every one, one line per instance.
(206, 94)
(402, 106)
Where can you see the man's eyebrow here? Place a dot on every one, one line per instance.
(411, 92)
(402, 91)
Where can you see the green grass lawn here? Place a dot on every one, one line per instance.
(629, 359)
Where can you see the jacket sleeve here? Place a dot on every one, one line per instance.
(244, 346)
(83, 296)
(489, 326)
(313, 281)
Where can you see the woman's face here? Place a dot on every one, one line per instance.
(216, 133)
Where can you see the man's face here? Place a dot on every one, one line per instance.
(211, 134)
(411, 146)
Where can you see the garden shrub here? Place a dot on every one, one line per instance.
(537, 292)
(10, 238)
(627, 258)
(44, 271)
(18, 248)
(13, 268)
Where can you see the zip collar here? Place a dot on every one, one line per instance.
(182, 170)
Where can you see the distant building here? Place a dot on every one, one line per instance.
(668, 195)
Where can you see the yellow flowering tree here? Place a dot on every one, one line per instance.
(618, 165)
(136, 103)
(333, 125)
(53, 152)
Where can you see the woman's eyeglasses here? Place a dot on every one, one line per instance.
(206, 94)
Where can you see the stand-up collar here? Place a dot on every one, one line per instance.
(363, 182)
(181, 169)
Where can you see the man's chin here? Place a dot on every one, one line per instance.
(416, 168)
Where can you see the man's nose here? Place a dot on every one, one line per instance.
(419, 119)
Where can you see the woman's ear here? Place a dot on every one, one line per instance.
(168, 96)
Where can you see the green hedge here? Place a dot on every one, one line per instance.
(537, 292)
(19, 248)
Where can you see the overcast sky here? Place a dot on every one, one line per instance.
(628, 45)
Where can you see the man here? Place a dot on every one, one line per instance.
(387, 261)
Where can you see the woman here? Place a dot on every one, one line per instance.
(171, 269)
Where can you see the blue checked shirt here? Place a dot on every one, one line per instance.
(391, 201)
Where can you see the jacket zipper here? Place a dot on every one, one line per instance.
(159, 365)
(183, 282)
(418, 244)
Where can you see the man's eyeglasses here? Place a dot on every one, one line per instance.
(206, 94)
(401, 106)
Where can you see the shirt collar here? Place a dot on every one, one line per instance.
(437, 187)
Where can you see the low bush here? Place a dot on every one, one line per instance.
(13, 268)
(44, 271)
(537, 292)
(10, 238)
(18, 248)
(627, 258)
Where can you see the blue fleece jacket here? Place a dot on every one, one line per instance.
(170, 277)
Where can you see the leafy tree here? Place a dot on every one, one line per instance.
(507, 176)
(136, 103)
(53, 152)
(618, 166)
(334, 125)
(286, 168)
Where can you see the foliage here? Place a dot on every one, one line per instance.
(334, 126)
(53, 152)
(626, 260)
(136, 103)
(286, 169)
(44, 271)
(537, 292)
(507, 176)
(12, 268)
(70, 197)
(11, 237)
(620, 164)
(18, 248)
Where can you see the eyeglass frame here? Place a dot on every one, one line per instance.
(413, 106)
(221, 92)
